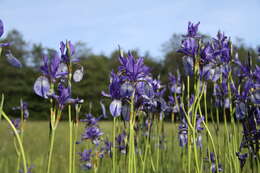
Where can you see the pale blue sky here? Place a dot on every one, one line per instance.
(143, 24)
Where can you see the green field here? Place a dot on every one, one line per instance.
(36, 148)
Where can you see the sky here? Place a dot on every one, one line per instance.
(142, 24)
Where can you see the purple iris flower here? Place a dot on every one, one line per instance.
(54, 68)
(85, 157)
(189, 47)
(134, 69)
(1, 33)
(93, 133)
(67, 50)
(13, 60)
(193, 30)
(24, 108)
(114, 87)
(207, 53)
(64, 97)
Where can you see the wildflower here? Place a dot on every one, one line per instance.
(67, 50)
(93, 133)
(134, 69)
(53, 69)
(85, 157)
(189, 47)
(24, 108)
(193, 30)
(64, 97)
(1, 33)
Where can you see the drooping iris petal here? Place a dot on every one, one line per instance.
(188, 65)
(13, 61)
(1, 28)
(126, 89)
(241, 110)
(62, 70)
(42, 87)
(78, 75)
(126, 112)
(115, 108)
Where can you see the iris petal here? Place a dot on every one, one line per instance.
(78, 75)
(13, 61)
(115, 108)
(42, 86)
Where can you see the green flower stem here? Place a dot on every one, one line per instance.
(114, 145)
(131, 161)
(18, 156)
(75, 127)
(70, 138)
(70, 118)
(52, 137)
(17, 137)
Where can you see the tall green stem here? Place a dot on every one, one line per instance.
(18, 139)
(52, 137)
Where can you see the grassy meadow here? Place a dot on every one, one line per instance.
(36, 148)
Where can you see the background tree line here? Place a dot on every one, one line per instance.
(18, 83)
